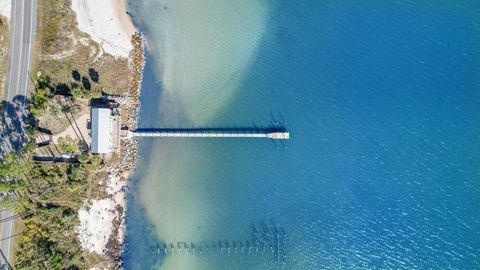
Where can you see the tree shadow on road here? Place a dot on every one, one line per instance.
(15, 118)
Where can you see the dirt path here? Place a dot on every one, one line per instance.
(72, 130)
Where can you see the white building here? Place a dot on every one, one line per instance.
(101, 132)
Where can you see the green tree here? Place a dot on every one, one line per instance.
(95, 94)
(83, 159)
(10, 186)
(68, 145)
(77, 92)
(10, 167)
(10, 204)
(66, 108)
(76, 173)
(32, 133)
(39, 102)
(96, 161)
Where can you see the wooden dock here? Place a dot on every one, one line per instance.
(273, 134)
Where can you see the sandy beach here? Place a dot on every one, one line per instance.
(5, 8)
(107, 23)
(101, 229)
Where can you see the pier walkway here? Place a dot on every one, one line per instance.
(274, 134)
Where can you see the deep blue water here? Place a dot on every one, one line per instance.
(382, 101)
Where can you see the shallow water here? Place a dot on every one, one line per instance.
(381, 100)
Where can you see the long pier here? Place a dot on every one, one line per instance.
(274, 134)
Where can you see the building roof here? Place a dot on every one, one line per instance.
(101, 130)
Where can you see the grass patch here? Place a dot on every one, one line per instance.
(63, 50)
(4, 44)
(58, 21)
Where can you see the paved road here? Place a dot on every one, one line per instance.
(23, 25)
(6, 230)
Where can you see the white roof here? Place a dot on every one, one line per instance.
(101, 130)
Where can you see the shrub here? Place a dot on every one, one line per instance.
(68, 145)
(83, 159)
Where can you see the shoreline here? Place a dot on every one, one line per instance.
(130, 106)
(113, 209)
(125, 19)
(120, 171)
(102, 230)
(107, 23)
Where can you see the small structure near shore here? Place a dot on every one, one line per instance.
(105, 130)
(101, 131)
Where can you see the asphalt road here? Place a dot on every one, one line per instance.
(22, 31)
(23, 25)
(6, 230)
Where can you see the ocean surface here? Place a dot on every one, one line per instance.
(382, 102)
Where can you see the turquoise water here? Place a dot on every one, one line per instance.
(382, 102)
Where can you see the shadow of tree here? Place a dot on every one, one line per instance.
(62, 89)
(15, 119)
(44, 130)
(76, 75)
(93, 74)
(74, 85)
(86, 83)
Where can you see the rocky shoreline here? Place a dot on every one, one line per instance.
(120, 171)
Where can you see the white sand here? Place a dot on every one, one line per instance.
(96, 224)
(5, 8)
(115, 187)
(96, 218)
(107, 23)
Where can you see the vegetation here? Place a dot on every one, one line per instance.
(39, 103)
(78, 92)
(60, 20)
(13, 167)
(55, 106)
(64, 49)
(83, 159)
(96, 161)
(48, 196)
(68, 145)
(4, 38)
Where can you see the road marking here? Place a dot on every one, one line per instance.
(21, 49)
(17, 56)
(30, 42)
(10, 239)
